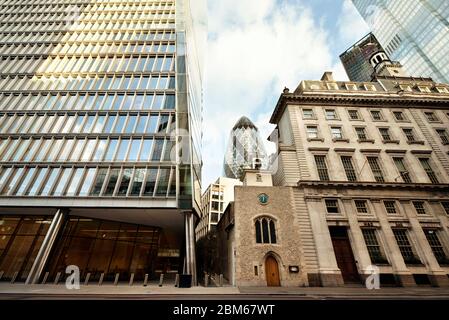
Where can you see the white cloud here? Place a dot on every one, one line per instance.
(351, 25)
(255, 49)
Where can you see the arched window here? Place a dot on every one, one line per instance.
(258, 233)
(265, 230)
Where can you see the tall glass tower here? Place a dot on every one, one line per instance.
(356, 60)
(245, 147)
(100, 142)
(413, 32)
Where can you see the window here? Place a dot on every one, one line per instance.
(406, 87)
(435, 245)
(445, 205)
(361, 206)
(373, 246)
(331, 205)
(336, 133)
(361, 133)
(124, 183)
(424, 89)
(442, 90)
(444, 136)
(419, 207)
(400, 165)
(308, 114)
(349, 168)
(351, 86)
(99, 181)
(431, 117)
(405, 246)
(390, 206)
(110, 186)
(399, 115)
(425, 163)
(375, 168)
(320, 161)
(354, 114)
(332, 86)
(265, 230)
(312, 132)
(409, 134)
(376, 115)
(331, 114)
(370, 87)
(385, 133)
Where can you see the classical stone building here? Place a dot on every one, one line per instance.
(361, 179)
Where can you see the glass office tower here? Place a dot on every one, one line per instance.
(413, 32)
(356, 60)
(245, 149)
(100, 143)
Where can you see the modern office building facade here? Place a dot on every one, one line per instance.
(100, 147)
(356, 60)
(245, 147)
(214, 201)
(413, 32)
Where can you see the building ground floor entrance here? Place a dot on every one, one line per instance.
(344, 255)
(95, 246)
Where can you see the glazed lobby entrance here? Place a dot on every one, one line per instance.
(96, 246)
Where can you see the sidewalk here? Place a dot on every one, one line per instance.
(138, 291)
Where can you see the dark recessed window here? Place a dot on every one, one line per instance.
(332, 206)
(323, 173)
(361, 206)
(390, 206)
(265, 230)
(419, 207)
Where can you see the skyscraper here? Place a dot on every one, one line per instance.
(245, 147)
(356, 60)
(413, 32)
(100, 110)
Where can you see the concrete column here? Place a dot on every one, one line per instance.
(394, 253)
(436, 274)
(47, 245)
(190, 265)
(330, 274)
(361, 254)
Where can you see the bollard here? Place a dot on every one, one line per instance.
(221, 280)
(100, 282)
(58, 276)
(116, 278)
(206, 279)
(14, 276)
(86, 281)
(177, 280)
(45, 278)
(145, 280)
(131, 279)
(161, 280)
(1, 274)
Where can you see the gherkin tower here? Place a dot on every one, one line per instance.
(244, 147)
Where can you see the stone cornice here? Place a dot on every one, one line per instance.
(373, 185)
(378, 99)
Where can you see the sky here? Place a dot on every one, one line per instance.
(256, 48)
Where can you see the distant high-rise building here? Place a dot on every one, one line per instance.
(215, 200)
(413, 32)
(245, 149)
(356, 60)
(100, 142)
